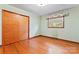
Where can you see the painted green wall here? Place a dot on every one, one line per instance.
(71, 30)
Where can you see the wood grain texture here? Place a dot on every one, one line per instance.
(1, 50)
(14, 27)
(41, 45)
(10, 49)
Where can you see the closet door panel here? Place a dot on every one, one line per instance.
(10, 28)
(23, 27)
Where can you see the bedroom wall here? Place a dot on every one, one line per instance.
(34, 20)
(70, 30)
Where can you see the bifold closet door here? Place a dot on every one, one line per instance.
(14, 27)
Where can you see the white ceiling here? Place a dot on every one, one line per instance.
(43, 10)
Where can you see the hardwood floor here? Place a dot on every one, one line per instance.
(41, 45)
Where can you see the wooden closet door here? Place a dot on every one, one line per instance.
(14, 27)
(23, 27)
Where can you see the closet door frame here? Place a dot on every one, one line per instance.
(17, 14)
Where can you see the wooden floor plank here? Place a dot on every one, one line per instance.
(21, 49)
(10, 49)
(41, 45)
